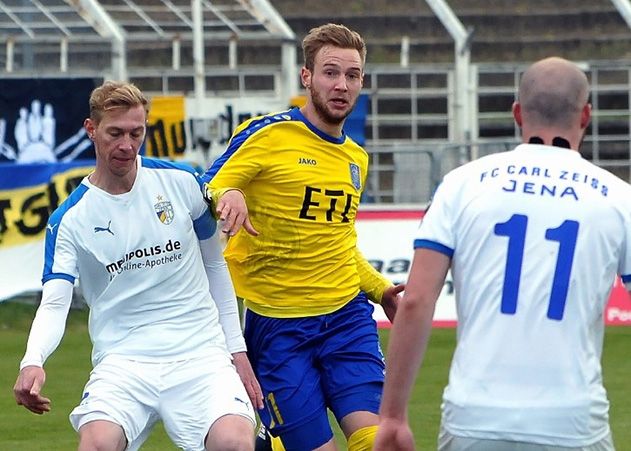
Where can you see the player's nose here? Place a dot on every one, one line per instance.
(341, 84)
(127, 143)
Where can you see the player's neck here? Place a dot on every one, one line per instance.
(557, 141)
(565, 139)
(112, 183)
(312, 116)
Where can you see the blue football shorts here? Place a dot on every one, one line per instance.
(306, 365)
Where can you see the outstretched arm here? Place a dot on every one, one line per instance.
(377, 287)
(222, 291)
(46, 333)
(408, 342)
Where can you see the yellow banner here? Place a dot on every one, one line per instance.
(24, 210)
(166, 136)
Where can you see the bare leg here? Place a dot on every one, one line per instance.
(231, 433)
(101, 435)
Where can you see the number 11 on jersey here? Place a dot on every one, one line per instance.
(515, 229)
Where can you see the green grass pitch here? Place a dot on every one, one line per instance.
(68, 369)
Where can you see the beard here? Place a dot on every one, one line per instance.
(324, 113)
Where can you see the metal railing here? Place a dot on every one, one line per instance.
(404, 174)
(411, 117)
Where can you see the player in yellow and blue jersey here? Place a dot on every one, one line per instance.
(293, 180)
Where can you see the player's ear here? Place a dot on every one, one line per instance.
(90, 129)
(586, 115)
(517, 113)
(305, 77)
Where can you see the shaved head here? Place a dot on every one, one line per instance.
(553, 92)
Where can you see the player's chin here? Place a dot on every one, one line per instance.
(337, 115)
(122, 167)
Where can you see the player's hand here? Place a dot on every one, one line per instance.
(393, 435)
(232, 211)
(242, 364)
(390, 300)
(27, 390)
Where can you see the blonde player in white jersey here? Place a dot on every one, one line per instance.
(164, 322)
(535, 238)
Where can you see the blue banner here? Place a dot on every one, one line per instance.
(41, 120)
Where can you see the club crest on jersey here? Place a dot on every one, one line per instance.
(164, 210)
(355, 176)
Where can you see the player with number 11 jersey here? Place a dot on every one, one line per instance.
(551, 308)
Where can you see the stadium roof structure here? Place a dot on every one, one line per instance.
(25, 20)
(55, 30)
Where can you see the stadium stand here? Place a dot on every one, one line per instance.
(503, 30)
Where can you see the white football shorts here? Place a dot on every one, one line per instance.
(188, 396)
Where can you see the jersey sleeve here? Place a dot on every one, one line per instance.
(436, 228)
(242, 160)
(60, 253)
(49, 322)
(222, 292)
(624, 265)
(204, 223)
(371, 281)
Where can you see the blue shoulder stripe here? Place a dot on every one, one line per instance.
(237, 140)
(52, 228)
(205, 226)
(156, 163)
(434, 246)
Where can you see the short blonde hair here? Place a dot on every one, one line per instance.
(334, 35)
(113, 95)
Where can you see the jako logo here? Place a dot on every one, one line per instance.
(308, 161)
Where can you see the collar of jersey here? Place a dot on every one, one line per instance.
(317, 131)
(545, 148)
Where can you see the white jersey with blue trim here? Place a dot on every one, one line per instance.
(536, 238)
(139, 264)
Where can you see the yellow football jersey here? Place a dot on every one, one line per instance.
(302, 188)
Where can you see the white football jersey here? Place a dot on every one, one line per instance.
(139, 264)
(536, 237)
